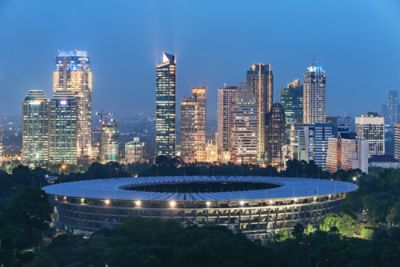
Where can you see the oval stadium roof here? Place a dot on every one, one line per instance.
(112, 188)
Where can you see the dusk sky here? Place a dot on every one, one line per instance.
(357, 42)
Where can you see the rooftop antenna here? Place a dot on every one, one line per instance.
(314, 60)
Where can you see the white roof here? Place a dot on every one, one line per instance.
(112, 188)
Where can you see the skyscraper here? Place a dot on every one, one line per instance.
(63, 128)
(292, 101)
(109, 141)
(371, 127)
(134, 151)
(346, 152)
(310, 142)
(314, 103)
(392, 108)
(166, 106)
(275, 135)
(244, 139)
(35, 129)
(260, 83)
(193, 126)
(227, 97)
(73, 75)
(396, 152)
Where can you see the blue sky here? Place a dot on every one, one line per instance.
(357, 42)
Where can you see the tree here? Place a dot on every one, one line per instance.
(345, 225)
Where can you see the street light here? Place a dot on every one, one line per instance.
(172, 204)
(138, 203)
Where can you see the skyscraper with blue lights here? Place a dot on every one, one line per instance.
(166, 106)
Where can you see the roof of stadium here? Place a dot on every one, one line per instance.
(112, 188)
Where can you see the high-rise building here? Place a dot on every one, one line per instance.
(314, 94)
(275, 135)
(109, 141)
(311, 142)
(134, 151)
(396, 152)
(211, 152)
(35, 129)
(260, 83)
(291, 98)
(392, 109)
(73, 75)
(63, 125)
(166, 106)
(371, 127)
(227, 97)
(346, 152)
(244, 141)
(193, 126)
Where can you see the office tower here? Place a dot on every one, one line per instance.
(63, 123)
(35, 129)
(371, 127)
(193, 127)
(346, 152)
(73, 75)
(134, 151)
(211, 152)
(227, 97)
(314, 94)
(244, 146)
(166, 106)
(396, 152)
(392, 109)
(291, 98)
(260, 83)
(109, 141)
(311, 142)
(275, 135)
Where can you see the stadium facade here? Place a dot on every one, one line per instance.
(255, 206)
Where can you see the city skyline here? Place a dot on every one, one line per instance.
(113, 71)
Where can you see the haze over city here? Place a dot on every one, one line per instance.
(214, 42)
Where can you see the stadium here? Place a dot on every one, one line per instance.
(255, 206)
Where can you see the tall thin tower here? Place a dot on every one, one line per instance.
(73, 76)
(193, 126)
(314, 102)
(35, 133)
(166, 106)
(260, 83)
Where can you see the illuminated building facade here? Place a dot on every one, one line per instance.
(35, 129)
(193, 127)
(109, 141)
(314, 104)
(211, 152)
(371, 127)
(244, 132)
(73, 75)
(291, 98)
(260, 83)
(311, 142)
(347, 152)
(396, 153)
(63, 129)
(227, 97)
(275, 135)
(166, 106)
(134, 151)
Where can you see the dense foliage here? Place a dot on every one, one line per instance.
(366, 233)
